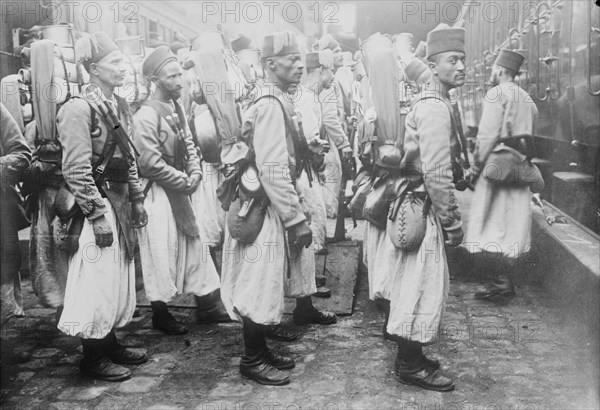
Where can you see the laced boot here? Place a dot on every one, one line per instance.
(255, 364)
(279, 332)
(306, 314)
(164, 321)
(279, 361)
(119, 354)
(412, 368)
(97, 365)
(501, 287)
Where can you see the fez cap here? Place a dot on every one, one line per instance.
(445, 38)
(240, 43)
(156, 60)
(510, 59)
(91, 48)
(316, 59)
(176, 46)
(327, 42)
(280, 44)
(415, 68)
(421, 50)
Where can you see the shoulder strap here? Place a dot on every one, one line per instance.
(108, 151)
(159, 109)
(455, 132)
(297, 147)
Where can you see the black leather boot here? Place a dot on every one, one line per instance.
(278, 360)
(412, 368)
(210, 309)
(500, 289)
(117, 353)
(96, 364)
(279, 332)
(164, 321)
(306, 314)
(254, 364)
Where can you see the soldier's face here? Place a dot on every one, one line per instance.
(450, 68)
(495, 75)
(169, 79)
(111, 70)
(326, 78)
(338, 57)
(288, 69)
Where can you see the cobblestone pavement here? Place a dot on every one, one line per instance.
(526, 355)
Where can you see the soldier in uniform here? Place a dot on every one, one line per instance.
(14, 158)
(319, 77)
(254, 274)
(420, 281)
(171, 253)
(501, 214)
(334, 114)
(99, 169)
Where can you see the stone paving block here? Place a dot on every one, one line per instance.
(68, 406)
(156, 368)
(120, 403)
(24, 376)
(140, 384)
(220, 404)
(78, 393)
(164, 407)
(230, 389)
(324, 387)
(34, 364)
(43, 353)
(41, 387)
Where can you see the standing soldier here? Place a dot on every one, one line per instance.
(420, 283)
(170, 245)
(99, 169)
(14, 158)
(501, 214)
(319, 77)
(334, 116)
(254, 273)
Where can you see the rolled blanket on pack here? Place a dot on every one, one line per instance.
(44, 94)
(11, 98)
(210, 68)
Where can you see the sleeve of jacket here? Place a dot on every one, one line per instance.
(150, 162)
(193, 164)
(331, 119)
(136, 192)
(16, 155)
(490, 128)
(73, 126)
(272, 160)
(434, 127)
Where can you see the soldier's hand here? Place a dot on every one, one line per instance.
(455, 237)
(318, 146)
(102, 232)
(300, 235)
(193, 182)
(139, 215)
(347, 152)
